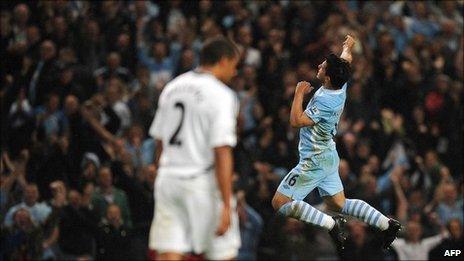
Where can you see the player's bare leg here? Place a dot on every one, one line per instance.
(336, 202)
(279, 200)
(170, 256)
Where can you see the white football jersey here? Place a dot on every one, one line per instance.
(196, 113)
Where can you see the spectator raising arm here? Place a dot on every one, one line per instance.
(97, 126)
(402, 208)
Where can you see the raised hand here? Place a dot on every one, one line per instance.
(349, 42)
(303, 87)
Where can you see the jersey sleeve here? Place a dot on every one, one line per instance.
(156, 127)
(345, 86)
(317, 110)
(224, 121)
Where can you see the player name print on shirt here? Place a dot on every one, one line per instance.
(186, 90)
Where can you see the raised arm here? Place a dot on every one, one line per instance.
(347, 47)
(97, 126)
(298, 118)
(402, 206)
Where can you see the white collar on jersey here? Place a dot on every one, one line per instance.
(202, 71)
(333, 91)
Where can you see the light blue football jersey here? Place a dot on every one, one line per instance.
(325, 109)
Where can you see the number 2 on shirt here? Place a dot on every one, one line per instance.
(174, 140)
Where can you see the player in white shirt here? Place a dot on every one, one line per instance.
(194, 128)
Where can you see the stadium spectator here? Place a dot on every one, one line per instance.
(251, 56)
(20, 124)
(92, 49)
(90, 165)
(50, 120)
(450, 207)
(21, 18)
(455, 241)
(23, 239)
(113, 237)
(361, 245)
(51, 228)
(347, 177)
(43, 76)
(414, 247)
(251, 226)
(106, 194)
(295, 244)
(13, 182)
(160, 63)
(140, 147)
(77, 226)
(187, 62)
(38, 211)
(66, 83)
(112, 69)
(139, 189)
(114, 95)
(126, 49)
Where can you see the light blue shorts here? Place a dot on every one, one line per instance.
(320, 171)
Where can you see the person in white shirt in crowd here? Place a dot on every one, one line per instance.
(413, 246)
(39, 211)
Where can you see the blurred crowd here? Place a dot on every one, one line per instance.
(79, 89)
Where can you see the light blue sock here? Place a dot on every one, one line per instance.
(304, 212)
(360, 209)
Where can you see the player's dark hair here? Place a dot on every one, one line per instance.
(338, 70)
(215, 49)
